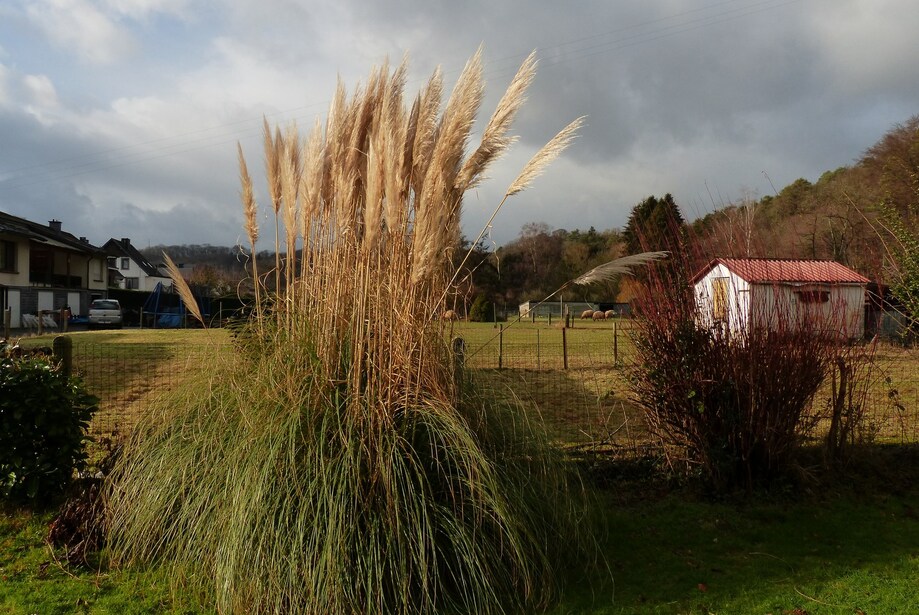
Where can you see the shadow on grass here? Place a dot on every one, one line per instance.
(580, 407)
(849, 547)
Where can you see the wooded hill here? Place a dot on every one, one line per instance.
(842, 216)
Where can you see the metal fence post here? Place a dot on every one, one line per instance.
(565, 348)
(62, 347)
(615, 343)
(501, 346)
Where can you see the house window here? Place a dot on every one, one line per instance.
(132, 283)
(7, 256)
(125, 263)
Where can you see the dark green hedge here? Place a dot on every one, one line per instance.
(43, 420)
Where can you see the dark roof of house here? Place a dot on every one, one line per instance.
(41, 233)
(786, 271)
(123, 247)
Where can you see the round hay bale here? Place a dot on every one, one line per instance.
(587, 314)
(449, 315)
(598, 315)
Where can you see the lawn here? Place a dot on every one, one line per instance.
(665, 553)
(666, 549)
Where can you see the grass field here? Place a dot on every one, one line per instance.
(667, 550)
(665, 553)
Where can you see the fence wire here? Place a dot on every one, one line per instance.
(575, 379)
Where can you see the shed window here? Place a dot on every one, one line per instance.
(813, 296)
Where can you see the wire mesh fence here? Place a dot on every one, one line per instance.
(576, 379)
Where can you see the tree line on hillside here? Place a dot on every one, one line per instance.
(864, 216)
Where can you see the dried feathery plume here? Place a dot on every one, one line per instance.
(495, 139)
(392, 128)
(620, 266)
(273, 149)
(290, 188)
(549, 152)
(311, 179)
(456, 124)
(373, 186)
(435, 219)
(250, 209)
(425, 131)
(182, 288)
(537, 164)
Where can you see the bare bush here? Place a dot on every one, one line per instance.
(734, 401)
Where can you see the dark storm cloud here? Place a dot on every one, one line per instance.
(709, 100)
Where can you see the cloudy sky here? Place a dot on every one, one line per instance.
(120, 117)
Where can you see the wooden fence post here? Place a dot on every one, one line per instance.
(459, 361)
(62, 347)
(41, 324)
(501, 347)
(615, 343)
(7, 320)
(565, 348)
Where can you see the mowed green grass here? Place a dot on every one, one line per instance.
(664, 552)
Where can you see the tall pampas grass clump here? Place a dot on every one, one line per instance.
(336, 464)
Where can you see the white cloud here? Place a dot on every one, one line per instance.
(141, 9)
(5, 96)
(41, 91)
(78, 26)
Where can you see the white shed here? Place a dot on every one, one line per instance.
(784, 294)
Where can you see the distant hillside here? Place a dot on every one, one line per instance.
(835, 218)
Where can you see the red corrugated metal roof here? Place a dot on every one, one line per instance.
(787, 271)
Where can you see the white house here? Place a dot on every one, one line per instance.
(130, 270)
(738, 293)
(44, 268)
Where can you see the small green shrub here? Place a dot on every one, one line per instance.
(43, 419)
(482, 310)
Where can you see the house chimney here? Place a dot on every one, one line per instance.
(126, 241)
(84, 240)
(54, 225)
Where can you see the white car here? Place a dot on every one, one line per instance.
(105, 313)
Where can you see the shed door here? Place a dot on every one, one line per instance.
(720, 298)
